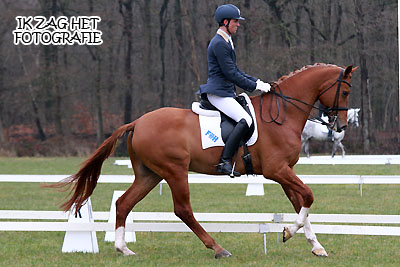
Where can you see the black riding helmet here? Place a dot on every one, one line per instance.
(229, 12)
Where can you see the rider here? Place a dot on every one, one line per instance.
(223, 75)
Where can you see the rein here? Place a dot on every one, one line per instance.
(291, 100)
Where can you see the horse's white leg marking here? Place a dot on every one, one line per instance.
(317, 249)
(334, 147)
(301, 219)
(120, 244)
(307, 147)
(342, 148)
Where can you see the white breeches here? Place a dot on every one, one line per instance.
(230, 107)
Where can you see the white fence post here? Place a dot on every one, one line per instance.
(81, 241)
(110, 236)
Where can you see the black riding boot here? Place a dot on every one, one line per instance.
(231, 146)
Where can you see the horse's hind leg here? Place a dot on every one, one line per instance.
(311, 238)
(182, 208)
(145, 181)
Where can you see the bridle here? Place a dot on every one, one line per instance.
(288, 99)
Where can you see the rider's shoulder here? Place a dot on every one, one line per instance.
(218, 42)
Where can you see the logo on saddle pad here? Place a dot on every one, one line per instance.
(212, 136)
(210, 125)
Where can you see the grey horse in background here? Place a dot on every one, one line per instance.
(317, 131)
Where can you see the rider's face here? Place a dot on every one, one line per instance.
(233, 26)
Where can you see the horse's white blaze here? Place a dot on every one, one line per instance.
(120, 244)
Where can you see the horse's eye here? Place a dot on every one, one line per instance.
(345, 93)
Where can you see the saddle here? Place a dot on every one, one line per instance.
(226, 125)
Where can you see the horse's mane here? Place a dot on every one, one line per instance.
(303, 69)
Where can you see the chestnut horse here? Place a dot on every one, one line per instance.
(165, 144)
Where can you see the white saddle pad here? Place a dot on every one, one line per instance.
(210, 125)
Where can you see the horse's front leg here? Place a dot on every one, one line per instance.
(289, 231)
(336, 143)
(317, 249)
(297, 202)
(306, 146)
(290, 182)
(342, 148)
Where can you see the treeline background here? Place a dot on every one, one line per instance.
(64, 100)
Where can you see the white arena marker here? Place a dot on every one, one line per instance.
(110, 236)
(81, 241)
(255, 189)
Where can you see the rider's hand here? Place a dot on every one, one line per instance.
(262, 86)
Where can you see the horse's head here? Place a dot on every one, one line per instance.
(352, 116)
(335, 96)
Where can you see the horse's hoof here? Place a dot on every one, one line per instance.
(320, 252)
(286, 234)
(223, 254)
(125, 251)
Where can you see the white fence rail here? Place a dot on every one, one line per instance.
(328, 160)
(161, 222)
(221, 217)
(212, 222)
(211, 179)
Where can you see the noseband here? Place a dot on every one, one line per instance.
(335, 107)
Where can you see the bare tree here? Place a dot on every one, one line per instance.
(365, 96)
(163, 26)
(125, 9)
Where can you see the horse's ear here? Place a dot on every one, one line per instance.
(348, 71)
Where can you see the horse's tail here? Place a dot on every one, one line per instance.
(85, 180)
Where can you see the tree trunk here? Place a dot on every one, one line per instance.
(194, 63)
(180, 80)
(147, 59)
(2, 88)
(57, 94)
(277, 11)
(127, 15)
(2, 139)
(365, 96)
(163, 27)
(36, 116)
(98, 105)
(312, 34)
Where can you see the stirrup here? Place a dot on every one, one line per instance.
(226, 167)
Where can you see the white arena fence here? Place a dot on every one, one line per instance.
(84, 231)
(212, 222)
(255, 184)
(328, 160)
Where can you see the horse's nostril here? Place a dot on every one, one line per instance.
(343, 128)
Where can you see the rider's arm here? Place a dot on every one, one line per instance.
(247, 75)
(224, 57)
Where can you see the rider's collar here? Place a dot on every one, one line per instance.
(224, 35)
(227, 37)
